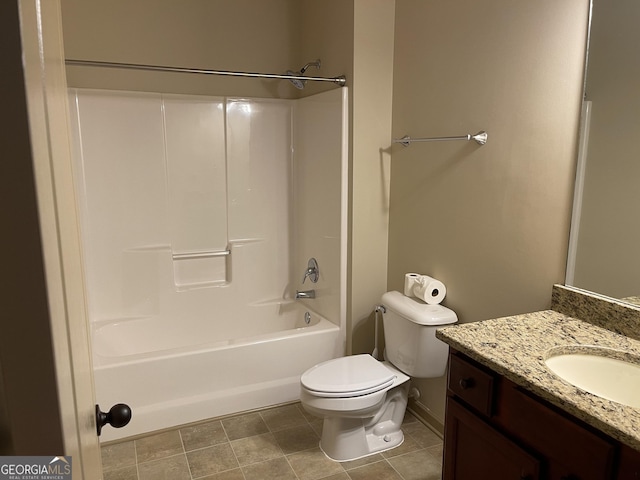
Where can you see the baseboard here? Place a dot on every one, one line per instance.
(422, 414)
(139, 436)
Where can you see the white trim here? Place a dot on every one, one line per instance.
(344, 212)
(578, 192)
(47, 106)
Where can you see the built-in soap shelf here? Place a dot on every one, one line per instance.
(191, 270)
(201, 269)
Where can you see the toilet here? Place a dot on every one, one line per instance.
(363, 400)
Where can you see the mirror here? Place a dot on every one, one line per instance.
(604, 252)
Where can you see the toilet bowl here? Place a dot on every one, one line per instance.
(363, 400)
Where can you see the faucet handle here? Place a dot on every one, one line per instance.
(312, 271)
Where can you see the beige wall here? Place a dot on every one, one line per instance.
(607, 261)
(371, 130)
(491, 222)
(241, 35)
(325, 32)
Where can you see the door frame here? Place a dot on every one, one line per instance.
(47, 109)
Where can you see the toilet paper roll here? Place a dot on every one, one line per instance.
(409, 282)
(429, 289)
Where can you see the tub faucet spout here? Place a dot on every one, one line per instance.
(306, 294)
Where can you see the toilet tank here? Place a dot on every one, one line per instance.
(410, 335)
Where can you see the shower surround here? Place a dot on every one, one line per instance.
(198, 217)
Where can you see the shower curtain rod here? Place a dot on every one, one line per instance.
(341, 80)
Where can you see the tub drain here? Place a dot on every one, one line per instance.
(307, 318)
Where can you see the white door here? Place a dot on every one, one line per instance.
(45, 80)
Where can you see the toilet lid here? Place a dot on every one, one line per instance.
(347, 377)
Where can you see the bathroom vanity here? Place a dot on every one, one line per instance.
(509, 416)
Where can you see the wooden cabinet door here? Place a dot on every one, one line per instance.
(476, 451)
(569, 449)
(629, 467)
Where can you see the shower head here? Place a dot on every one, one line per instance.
(300, 83)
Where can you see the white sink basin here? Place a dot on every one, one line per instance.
(609, 374)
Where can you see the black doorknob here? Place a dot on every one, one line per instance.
(118, 416)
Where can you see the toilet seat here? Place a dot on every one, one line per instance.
(347, 377)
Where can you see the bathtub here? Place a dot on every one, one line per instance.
(205, 371)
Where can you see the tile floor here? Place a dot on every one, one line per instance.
(277, 443)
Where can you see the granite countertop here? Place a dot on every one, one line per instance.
(517, 346)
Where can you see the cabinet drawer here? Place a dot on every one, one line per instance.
(471, 384)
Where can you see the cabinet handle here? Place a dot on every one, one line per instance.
(466, 383)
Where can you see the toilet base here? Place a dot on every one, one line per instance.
(345, 439)
(346, 447)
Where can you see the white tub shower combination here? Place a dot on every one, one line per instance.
(198, 217)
